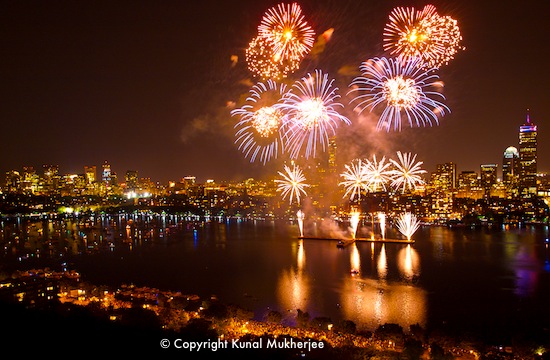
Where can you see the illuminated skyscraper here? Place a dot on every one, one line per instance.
(131, 179)
(50, 177)
(106, 173)
(468, 185)
(488, 177)
(443, 185)
(13, 181)
(90, 173)
(510, 166)
(444, 177)
(528, 158)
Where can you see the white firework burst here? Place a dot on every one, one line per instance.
(355, 179)
(292, 184)
(407, 173)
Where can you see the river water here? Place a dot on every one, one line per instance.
(485, 280)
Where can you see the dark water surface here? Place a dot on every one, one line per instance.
(470, 279)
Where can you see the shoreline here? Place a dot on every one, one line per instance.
(185, 318)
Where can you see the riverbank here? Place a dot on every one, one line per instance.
(129, 319)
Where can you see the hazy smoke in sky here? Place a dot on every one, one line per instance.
(210, 124)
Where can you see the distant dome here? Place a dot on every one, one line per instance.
(511, 152)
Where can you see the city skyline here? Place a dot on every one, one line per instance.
(151, 94)
(508, 166)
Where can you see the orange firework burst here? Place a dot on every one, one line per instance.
(285, 29)
(411, 33)
(261, 61)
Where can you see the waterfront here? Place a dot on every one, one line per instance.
(485, 280)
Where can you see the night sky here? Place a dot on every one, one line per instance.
(145, 84)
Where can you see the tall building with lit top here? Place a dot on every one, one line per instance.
(510, 165)
(528, 158)
(106, 173)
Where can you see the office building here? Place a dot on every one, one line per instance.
(528, 158)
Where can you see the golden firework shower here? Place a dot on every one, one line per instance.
(411, 33)
(266, 121)
(284, 38)
(261, 62)
(401, 92)
(287, 31)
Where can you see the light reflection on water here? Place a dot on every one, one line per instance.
(369, 283)
(376, 301)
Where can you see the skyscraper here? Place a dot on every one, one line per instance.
(528, 158)
(510, 166)
(131, 178)
(444, 177)
(106, 173)
(488, 177)
(90, 173)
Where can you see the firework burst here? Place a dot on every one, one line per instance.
(258, 130)
(292, 184)
(402, 88)
(407, 223)
(261, 61)
(407, 172)
(355, 179)
(287, 32)
(310, 114)
(377, 173)
(411, 33)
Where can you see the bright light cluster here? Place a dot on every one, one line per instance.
(297, 121)
(258, 129)
(284, 39)
(402, 89)
(407, 223)
(371, 175)
(422, 34)
(292, 183)
(311, 115)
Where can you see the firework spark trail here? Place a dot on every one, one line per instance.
(285, 29)
(292, 184)
(300, 216)
(310, 114)
(258, 130)
(354, 222)
(355, 179)
(422, 34)
(377, 173)
(407, 172)
(401, 88)
(407, 223)
(382, 221)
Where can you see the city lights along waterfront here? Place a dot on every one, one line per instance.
(466, 255)
(490, 283)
